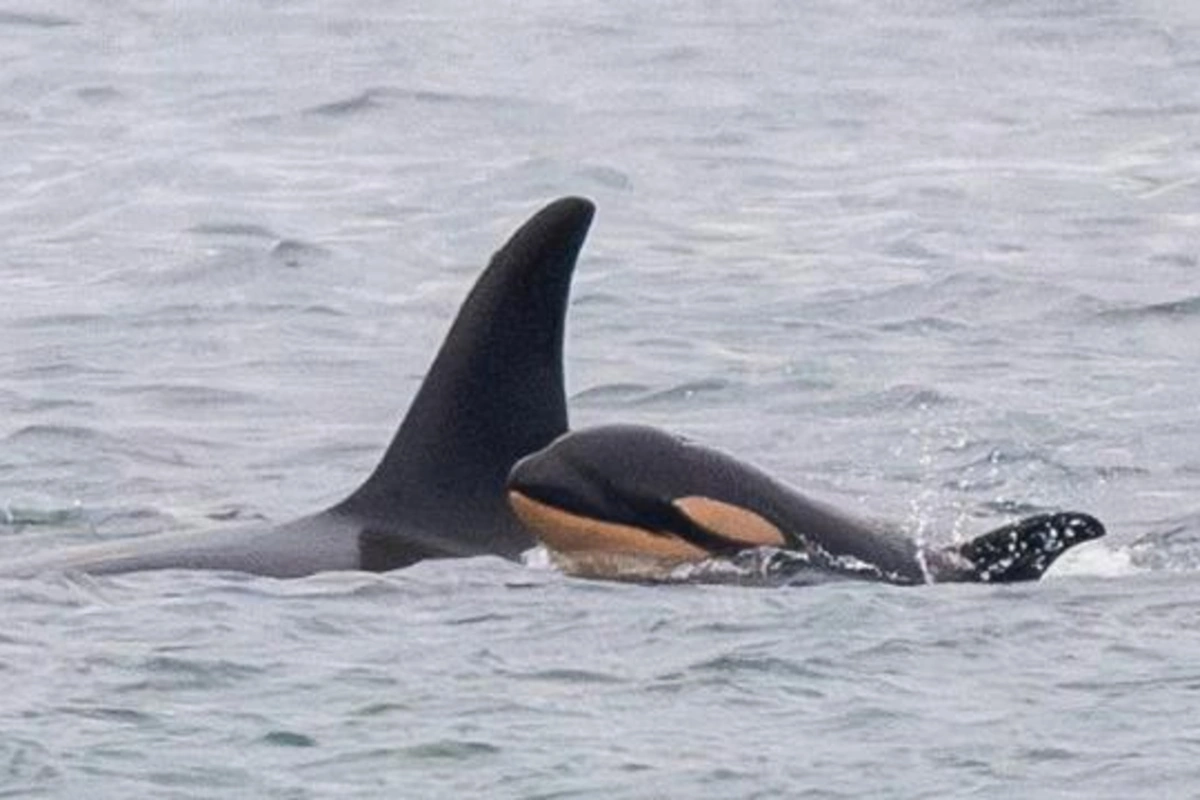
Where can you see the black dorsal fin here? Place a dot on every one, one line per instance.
(495, 391)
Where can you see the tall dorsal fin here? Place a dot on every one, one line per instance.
(495, 391)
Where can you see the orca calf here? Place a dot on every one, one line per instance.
(603, 498)
(493, 394)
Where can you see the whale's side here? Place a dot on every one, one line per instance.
(493, 394)
(602, 496)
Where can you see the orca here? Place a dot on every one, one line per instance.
(493, 394)
(605, 498)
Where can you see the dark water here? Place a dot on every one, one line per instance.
(934, 261)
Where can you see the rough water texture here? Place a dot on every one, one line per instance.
(936, 262)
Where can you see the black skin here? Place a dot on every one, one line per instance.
(631, 474)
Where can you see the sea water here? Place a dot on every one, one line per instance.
(933, 262)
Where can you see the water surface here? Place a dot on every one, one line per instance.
(934, 262)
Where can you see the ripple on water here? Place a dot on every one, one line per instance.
(739, 664)
(608, 393)
(31, 19)
(903, 397)
(381, 97)
(688, 391)
(289, 739)
(234, 229)
(25, 766)
(451, 750)
(295, 253)
(184, 396)
(161, 673)
(569, 676)
(1180, 310)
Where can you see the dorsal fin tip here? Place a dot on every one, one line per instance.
(495, 389)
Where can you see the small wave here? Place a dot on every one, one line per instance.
(51, 434)
(741, 663)
(899, 397)
(130, 521)
(376, 97)
(69, 319)
(606, 176)
(908, 249)
(918, 397)
(245, 229)
(60, 369)
(1174, 546)
(173, 673)
(289, 739)
(1185, 260)
(18, 517)
(121, 716)
(1148, 112)
(609, 392)
(380, 709)
(363, 101)
(923, 325)
(598, 299)
(27, 767)
(99, 94)
(173, 395)
(290, 252)
(175, 315)
(322, 585)
(29, 19)
(295, 253)
(639, 394)
(53, 441)
(1114, 472)
(236, 514)
(1183, 308)
(451, 749)
(36, 525)
(47, 405)
(683, 391)
(1010, 453)
(955, 297)
(576, 676)
(1013, 508)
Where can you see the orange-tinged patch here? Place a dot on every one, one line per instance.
(731, 522)
(566, 532)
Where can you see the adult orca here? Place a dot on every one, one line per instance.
(493, 394)
(605, 497)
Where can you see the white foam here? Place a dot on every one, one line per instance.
(1095, 559)
(538, 558)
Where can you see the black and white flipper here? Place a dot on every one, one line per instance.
(1022, 551)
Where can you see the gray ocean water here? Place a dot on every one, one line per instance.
(934, 261)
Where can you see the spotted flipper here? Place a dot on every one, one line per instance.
(1022, 551)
